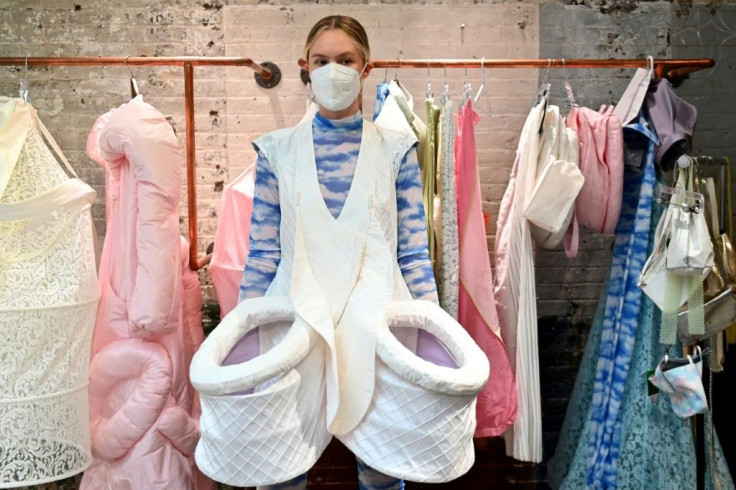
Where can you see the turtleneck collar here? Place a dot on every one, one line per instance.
(349, 123)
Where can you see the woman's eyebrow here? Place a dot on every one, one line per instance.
(320, 55)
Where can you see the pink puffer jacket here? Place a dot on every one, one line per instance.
(144, 413)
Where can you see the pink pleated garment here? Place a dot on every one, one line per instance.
(496, 408)
(231, 239)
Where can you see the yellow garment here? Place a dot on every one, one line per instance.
(429, 174)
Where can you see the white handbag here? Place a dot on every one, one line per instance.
(551, 205)
(554, 195)
(655, 278)
(420, 423)
(690, 249)
(263, 421)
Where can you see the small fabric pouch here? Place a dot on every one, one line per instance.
(554, 195)
(681, 380)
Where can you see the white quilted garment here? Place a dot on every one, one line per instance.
(421, 420)
(263, 421)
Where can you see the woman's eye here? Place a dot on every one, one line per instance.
(347, 61)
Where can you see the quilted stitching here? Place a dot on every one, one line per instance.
(269, 436)
(413, 433)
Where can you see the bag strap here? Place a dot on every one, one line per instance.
(50, 140)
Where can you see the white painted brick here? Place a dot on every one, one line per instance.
(243, 111)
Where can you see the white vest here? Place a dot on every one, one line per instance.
(345, 265)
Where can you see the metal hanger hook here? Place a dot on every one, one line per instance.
(546, 74)
(396, 76)
(128, 66)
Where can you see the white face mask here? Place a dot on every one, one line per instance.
(335, 86)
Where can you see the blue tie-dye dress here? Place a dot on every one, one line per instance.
(614, 435)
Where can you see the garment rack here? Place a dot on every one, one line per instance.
(672, 69)
(267, 75)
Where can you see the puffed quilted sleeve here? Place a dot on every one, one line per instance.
(141, 134)
(157, 169)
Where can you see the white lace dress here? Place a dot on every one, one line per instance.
(48, 302)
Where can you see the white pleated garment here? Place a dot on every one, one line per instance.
(516, 293)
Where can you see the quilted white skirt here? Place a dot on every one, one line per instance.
(263, 420)
(421, 420)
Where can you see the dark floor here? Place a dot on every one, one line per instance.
(492, 469)
(335, 470)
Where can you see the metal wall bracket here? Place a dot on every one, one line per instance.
(271, 81)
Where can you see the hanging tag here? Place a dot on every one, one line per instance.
(633, 97)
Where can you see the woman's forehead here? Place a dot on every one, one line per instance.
(333, 42)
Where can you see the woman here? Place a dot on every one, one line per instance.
(338, 61)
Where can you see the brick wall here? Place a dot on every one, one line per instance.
(231, 109)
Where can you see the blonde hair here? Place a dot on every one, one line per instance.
(348, 25)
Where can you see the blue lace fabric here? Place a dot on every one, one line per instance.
(614, 435)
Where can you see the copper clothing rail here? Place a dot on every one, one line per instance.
(669, 68)
(267, 75)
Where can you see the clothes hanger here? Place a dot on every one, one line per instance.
(482, 80)
(542, 96)
(691, 202)
(446, 89)
(569, 100)
(23, 85)
(467, 88)
(430, 94)
(543, 91)
(396, 75)
(134, 92)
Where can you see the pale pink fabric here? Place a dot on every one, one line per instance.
(144, 413)
(231, 239)
(600, 137)
(496, 408)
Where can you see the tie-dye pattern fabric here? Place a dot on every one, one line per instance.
(336, 147)
(620, 323)
(648, 445)
(381, 96)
